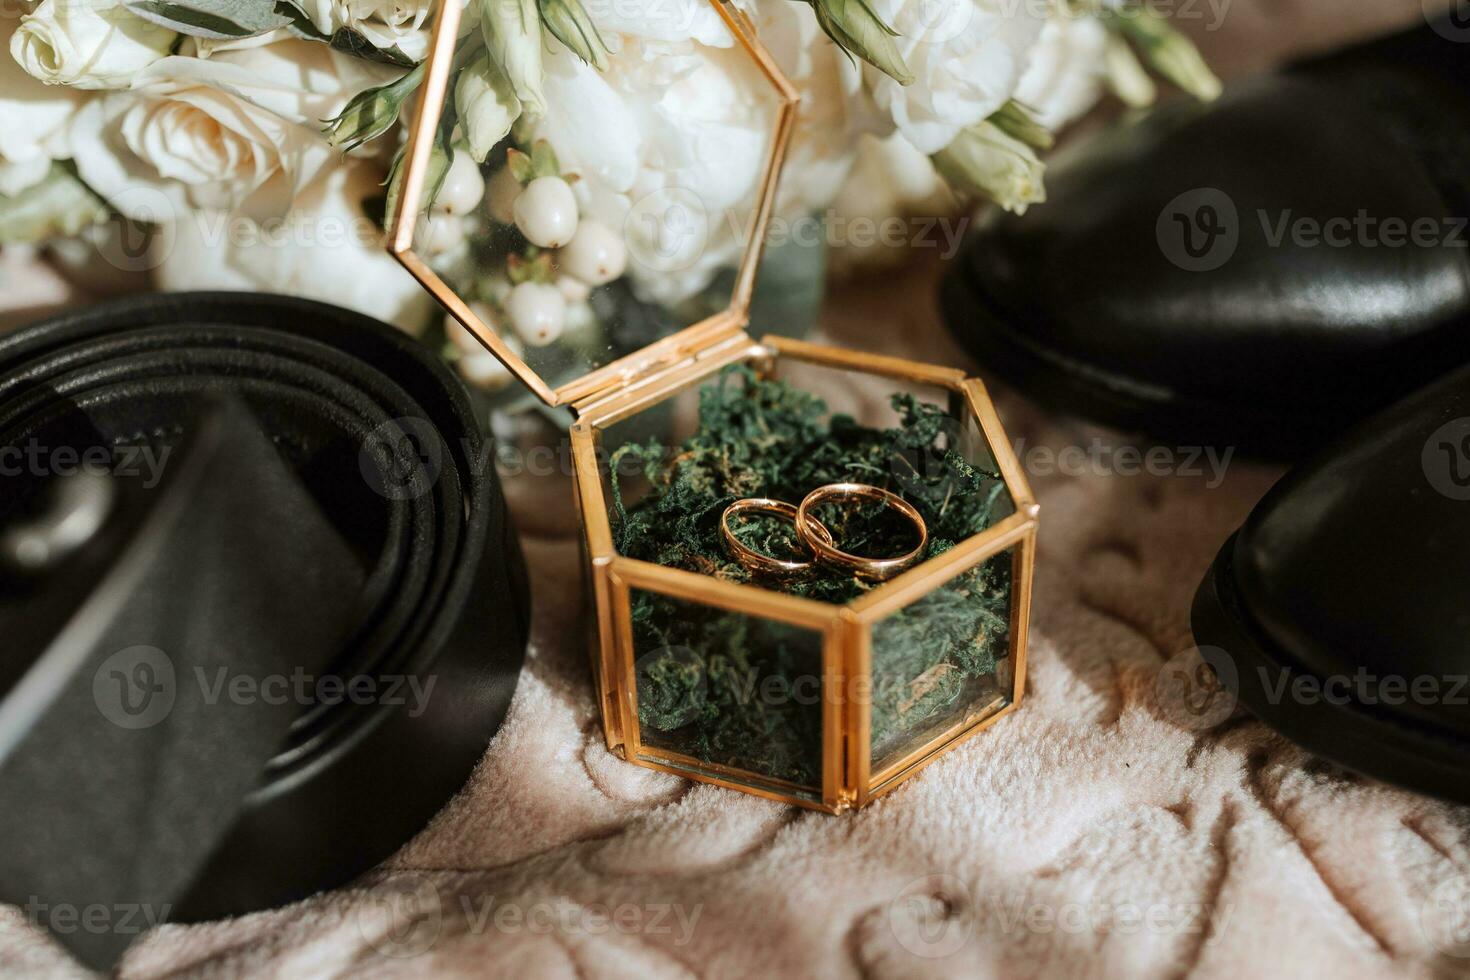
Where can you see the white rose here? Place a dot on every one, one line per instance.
(659, 20)
(1067, 66)
(893, 171)
(35, 116)
(326, 248)
(835, 109)
(89, 44)
(401, 24)
(967, 57)
(890, 180)
(670, 146)
(239, 130)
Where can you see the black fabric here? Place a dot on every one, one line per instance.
(360, 533)
(1091, 301)
(1354, 570)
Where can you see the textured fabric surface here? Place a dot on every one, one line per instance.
(1097, 831)
(1093, 832)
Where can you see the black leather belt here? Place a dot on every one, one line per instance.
(263, 607)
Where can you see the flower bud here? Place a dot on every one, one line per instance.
(1166, 51)
(859, 31)
(512, 30)
(986, 160)
(568, 20)
(1016, 120)
(487, 106)
(371, 112)
(1125, 76)
(58, 206)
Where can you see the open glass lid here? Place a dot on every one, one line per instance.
(591, 209)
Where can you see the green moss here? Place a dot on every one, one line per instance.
(742, 691)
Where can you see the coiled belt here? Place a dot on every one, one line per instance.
(291, 621)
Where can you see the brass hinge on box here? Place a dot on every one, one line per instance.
(652, 379)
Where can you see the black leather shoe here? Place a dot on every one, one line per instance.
(1244, 273)
(1340, 611)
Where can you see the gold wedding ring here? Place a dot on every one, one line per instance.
(767, 564)
(874, 569)
(817, 538)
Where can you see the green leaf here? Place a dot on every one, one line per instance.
(1014, 119)
(216, 20)
(530, 268)
(349, 41)
(344, 39)
(521, 166)
(440, 157)
(543, 160)
(59, 206)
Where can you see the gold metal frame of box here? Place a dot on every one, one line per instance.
(848, 779)
(637, 381)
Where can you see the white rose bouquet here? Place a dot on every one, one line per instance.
(257, 144)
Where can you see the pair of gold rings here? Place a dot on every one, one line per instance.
(817, 538)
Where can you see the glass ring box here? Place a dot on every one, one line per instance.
(609, 266)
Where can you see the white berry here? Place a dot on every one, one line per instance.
(596, 254)
(546, 212)
(460, 335)
(463, 187)
(440, 233)
(572, 289)
(537, 312)
(581, 321)
(484, 370)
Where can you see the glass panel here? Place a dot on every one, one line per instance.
(940, 664)
(616, 217)
(970, 442)
(958, 501)
(729, 688)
